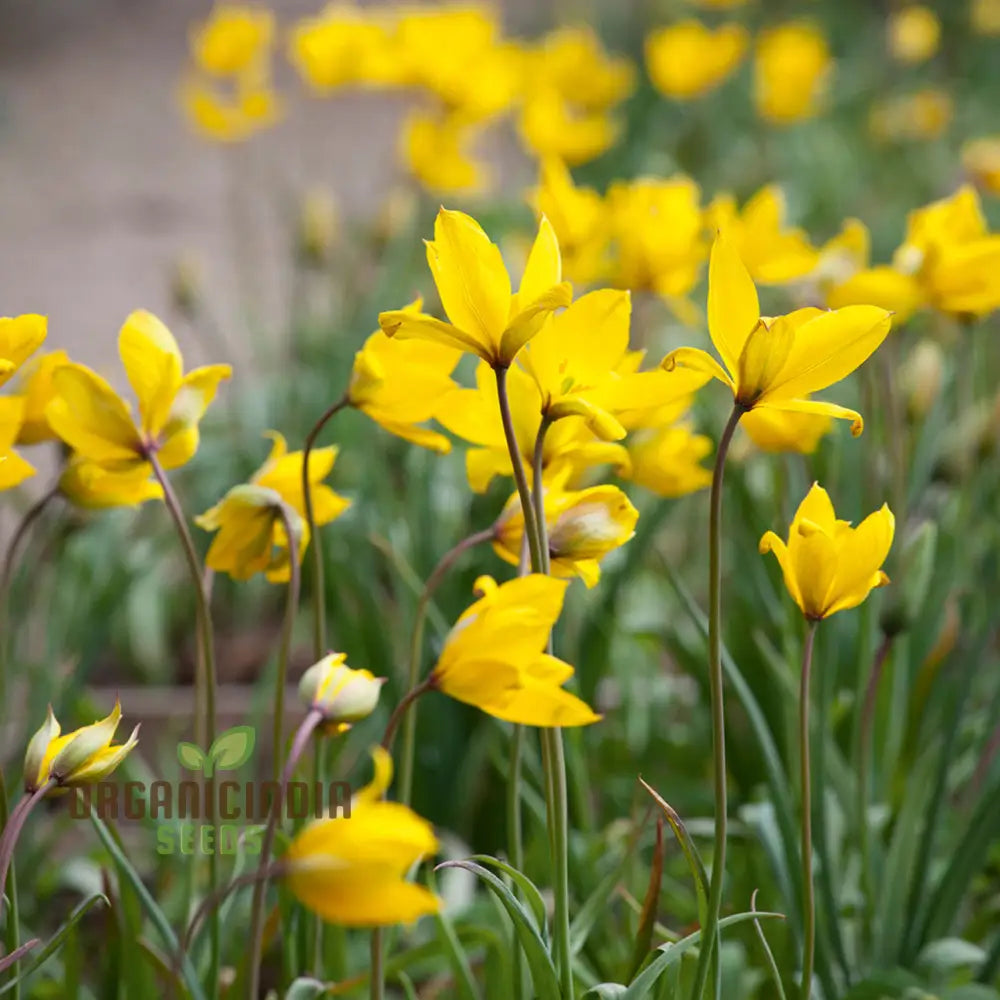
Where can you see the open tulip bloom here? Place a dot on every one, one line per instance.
(829, 566)
(777, 362)
(487, 319)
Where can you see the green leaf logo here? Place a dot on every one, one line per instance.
(231, 749)
(191, 756)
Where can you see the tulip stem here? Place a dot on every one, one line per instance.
(319, 582)
(446, 562)
(427, 684)
(203, 618)
(554, 757)
(808, 892)
(710, 932)
(15, 823)
(305, 730)
(287, 629)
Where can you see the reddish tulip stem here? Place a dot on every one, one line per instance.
(15, 823)
(287, 629)
(808, 891)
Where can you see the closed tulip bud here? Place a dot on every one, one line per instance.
(187, 284)
(78, 758)
(922, 377)
(342, 694)
(914, 578)
(317, 229)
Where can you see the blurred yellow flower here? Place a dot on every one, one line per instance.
(551, 126)
(400, 384)
(952, 255)
(435, 148)
(229, 116)
(981, 159)
(14, 470)
(914, 33)
(318, 226)
(985, 17)
(343, 695)
(81, 757)
(922, 376)
(474, 287)
(583, 527)
(579, 219)
(719, 4)
(658, 234)
(251, 534)
(774, 431)
(494, 657)
(792, 68)
(92, 487)
(829, 566)
(474, 415)
(915, 117)
(97, 423)
(778, 362)
(667, 460)
(576, 358)
(353, 871)
(687, 59)
(772, 253)
(20, 337)
(36, 388)
(234, 39)
(345, 46)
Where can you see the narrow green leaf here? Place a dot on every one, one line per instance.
(408, 988)
(52, 945)
(543, 973)
(305, 988)
(772, 965)
(531, 893)
(606, 991)
(644, 936)
(464, 982)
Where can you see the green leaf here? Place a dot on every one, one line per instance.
(671, 953)
(465, 982)
(947, 955)
(606, 991)
(52, 945)
(191, 756)
(527, 887)
(232, 748)
(644, 936)
(543, 973)
(408, 988)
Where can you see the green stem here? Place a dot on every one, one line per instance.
(515, 836)
(305, 730)
(377, 984)
(439, 572)
(710, 932)
(315, 962)
(557, 799)
(808, 892)
(319, 583)
(287, 629)
(204, 624)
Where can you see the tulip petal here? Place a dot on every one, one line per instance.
(360, 897)
(697, 360)
(152, 362)
(862, 553)
(406, 325)
(764, 355)
(544, 266)
(470, 275)
(733, 307)
(818, 407)
(602, 423)
(828, 348)
(20, 337)
(530, 319)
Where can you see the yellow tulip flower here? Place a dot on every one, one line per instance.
(914, 33)
(778, 362)
(792, 68)
(97, 423)
(494, 657)
(666, 460)
(92, 487)
(583, 527)
(688, 59)
(81, 757)
(575, 362)
(951, 254)
(232, 115)
(917, 117)
(35, 386)
(343, 695)
(435, 149)
(353, 871)
(14, 470)
(20, 337)
(829, 566)
(981, 160)
(474, 415)
(772, 253)
(400, 384)
(552, 126)
(651, 256)
(251, 533)
(579, 219)
(233, 40)
(472, 281)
